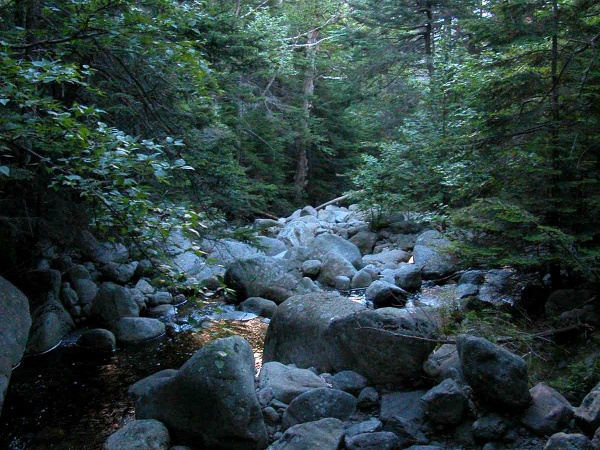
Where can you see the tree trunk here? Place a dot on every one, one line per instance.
(429, 38)
(303, 142)
(554, 194)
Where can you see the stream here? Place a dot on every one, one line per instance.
(71, 399)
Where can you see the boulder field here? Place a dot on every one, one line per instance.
(338, 372)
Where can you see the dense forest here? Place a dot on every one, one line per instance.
(479, 117)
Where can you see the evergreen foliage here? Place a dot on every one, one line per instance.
(481, 116)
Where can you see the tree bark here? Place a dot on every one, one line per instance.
(303, 142)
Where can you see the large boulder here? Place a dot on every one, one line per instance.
(387, 345)
(403, 414)
(140, 387)
(324, 434)
(384, 294)
(318, 404)
(296, 334)
(365, 240)
(549, 412)
(15, 323)
(270, 246)
(51, 322)
(185, 257)
(333, 333)
(563, 441)
(588, 413)
(327, 242)
(297, 234)
(285, 383)
(334, 265)
(267, 277)
(86, 290)
(228, 251)
(104, 252)
(498, 377)
(140, 435)
(500, 286)
(120, 273)
(135, 330)
(432, 254)
(445, 403)
(112, 303)
(211, 401)
(408, 277)
(387, 259)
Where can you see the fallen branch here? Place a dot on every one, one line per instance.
(266, 214)
(541, 335)
(331, 202)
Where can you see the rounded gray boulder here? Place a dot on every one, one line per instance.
(319, 404)
(135, 330)
(211, 401)
(498, 377)
(140, 435)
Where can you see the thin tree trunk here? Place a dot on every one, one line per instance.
(303, 143)
(429, 38)
(553, 217)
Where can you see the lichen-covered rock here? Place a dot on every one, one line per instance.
(365, 240)
(387, 259)
(361, 279)
(334, 264)
(296, 334)
(408, 277)
(327, 242)
(211, 401)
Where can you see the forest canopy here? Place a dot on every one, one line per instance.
(477, 117)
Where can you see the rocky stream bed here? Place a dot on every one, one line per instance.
(69, 398)
(401, 361)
